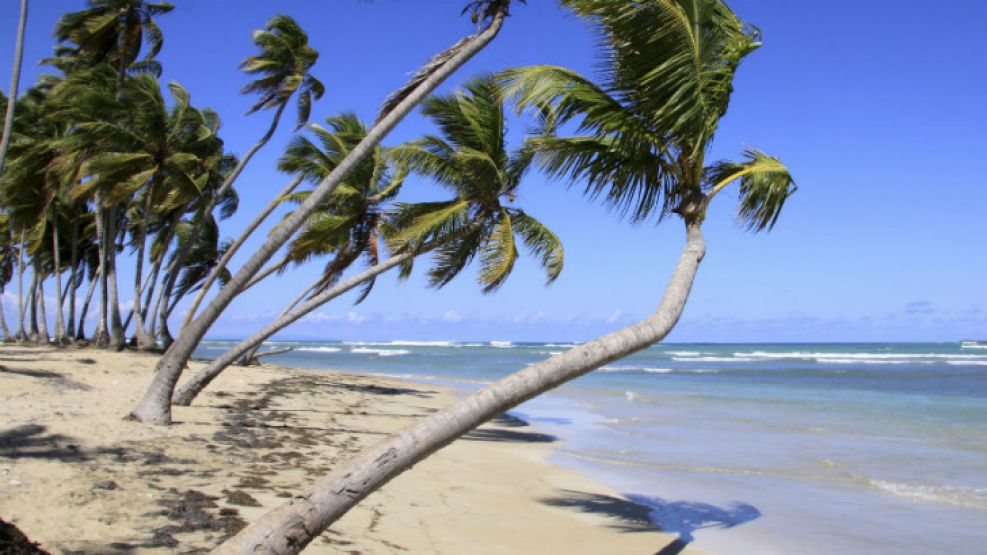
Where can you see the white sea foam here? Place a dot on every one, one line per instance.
(716, 359)
(502, 344)
(631, 396)
(684, 353)
(400, 343)
(825, 356)
(953, 495)
(565, 345)
(380, 352)
(637, 369)
(967, 362)
(320, 349)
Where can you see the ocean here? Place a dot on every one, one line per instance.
(749, 448)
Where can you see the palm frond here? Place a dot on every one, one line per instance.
(541, 242)
(765, 185)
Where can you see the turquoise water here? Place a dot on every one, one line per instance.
(752, 448)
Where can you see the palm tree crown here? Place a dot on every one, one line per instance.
(348, 223)
(642, 132)
(471, 159)
(114, 32)
(282, 67)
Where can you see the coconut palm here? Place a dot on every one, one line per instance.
(641, 136)
(212, 170)
(283, 68)
(113, 32)
(155, 406)
(471, 160)
(15, 80)
(151, 157)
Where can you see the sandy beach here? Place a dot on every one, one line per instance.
(77, 478)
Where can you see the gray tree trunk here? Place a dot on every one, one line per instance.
(245, 358)
(101, 337)
(289, 528)
(228, 255)
(15, 81)
(155, 407)
(21, 334)
(141, 338)
(43, 338)
(7, 338)
(187, 393)
(80, 333)
(60, 338)
(117, 339)
(73, 282)
(185, 248)
(32, 331)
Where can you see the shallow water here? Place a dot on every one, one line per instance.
(786, 448)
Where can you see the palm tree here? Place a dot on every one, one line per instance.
(155, 406)
(15, 80)
(470, 159)
(283, 67)
(640, 142)
(112, 32)
(8, 261)
(151, 156)
(348, 224)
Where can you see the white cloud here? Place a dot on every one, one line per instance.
(452, 316)
(617, 315)
(356, 318)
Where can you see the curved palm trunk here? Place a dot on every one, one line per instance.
(140, 330)
(152, 317)
(155, 407)
(264, 274)
(228, 255)
(117, 339)
(7, 338)
(100, 336)
(42, 338)
(248, 356)
(73, 280)
(187, 393)
(184, 249)
(21, 334)
(32, 331)
(60, 337)
(15, 80)
(292, 526)
(80, 333)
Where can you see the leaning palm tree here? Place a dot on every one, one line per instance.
(472, 161)
(283, 67)
(15, 80)
(347, 226)
(155, 406)
(641, 138)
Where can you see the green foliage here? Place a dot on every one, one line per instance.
(642, 130)
(347, 224)
(112, 32)
(282, 67)
(470, 158)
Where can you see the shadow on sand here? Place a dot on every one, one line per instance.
(639, 513)
(31, 441)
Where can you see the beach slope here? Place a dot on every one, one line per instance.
(76, 477)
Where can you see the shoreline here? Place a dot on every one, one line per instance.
(76, 477)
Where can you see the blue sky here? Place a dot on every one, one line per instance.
(877, 107)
